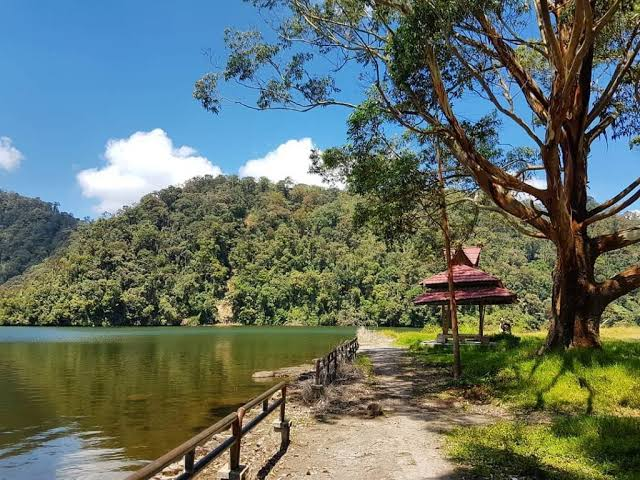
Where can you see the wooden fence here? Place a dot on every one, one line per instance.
(326, 371)
(234, 421)
(327, 366)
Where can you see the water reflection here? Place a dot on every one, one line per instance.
(94, 403)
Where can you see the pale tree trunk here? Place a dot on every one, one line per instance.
(453, 307)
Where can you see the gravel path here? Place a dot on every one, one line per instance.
(403, 443)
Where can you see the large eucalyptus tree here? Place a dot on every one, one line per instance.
(564, 72)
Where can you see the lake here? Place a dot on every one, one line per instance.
(99, 402)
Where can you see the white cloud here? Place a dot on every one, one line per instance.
(10, 156)
(539, 183)
(140, 164)
(291, 159)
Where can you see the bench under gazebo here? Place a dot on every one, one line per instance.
(472, 287)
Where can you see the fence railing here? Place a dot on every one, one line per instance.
(234, 421)
(327, 366)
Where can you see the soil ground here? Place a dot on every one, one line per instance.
(385, 425)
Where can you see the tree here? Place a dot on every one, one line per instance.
(565, 80)
(409, 186)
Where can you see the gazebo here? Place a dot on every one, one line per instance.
(472, 287)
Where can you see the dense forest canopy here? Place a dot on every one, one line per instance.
(250, 251)
(30, 230)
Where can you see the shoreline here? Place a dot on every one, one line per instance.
(216, 325)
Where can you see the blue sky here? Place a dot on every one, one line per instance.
(76, 74)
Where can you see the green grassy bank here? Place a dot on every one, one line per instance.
(577, 414)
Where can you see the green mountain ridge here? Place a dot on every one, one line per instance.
(250, 251)
(30, 230)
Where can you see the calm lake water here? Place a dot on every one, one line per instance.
(96, 403)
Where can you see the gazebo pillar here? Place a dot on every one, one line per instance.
(481, 323)
(446, 316)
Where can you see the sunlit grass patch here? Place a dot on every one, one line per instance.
(411, 337)
(407, 338)
(576, 382)
(621, 333)
(365, 364)
(591, 399)
(577, 447)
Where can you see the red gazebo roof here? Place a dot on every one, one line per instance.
(471, 296)
(472, 285)
(462, 275)
(466, 256)
(473, 254)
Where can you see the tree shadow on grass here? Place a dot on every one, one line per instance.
(575, 365)
(497, 464)
(609, 440)
(604, 447)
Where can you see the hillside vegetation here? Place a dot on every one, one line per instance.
(250, 251)
(30, 230)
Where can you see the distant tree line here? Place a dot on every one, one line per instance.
(251, 251)
(30, 229)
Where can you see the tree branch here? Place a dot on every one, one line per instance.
(514, 224)
(484, 169)
(549, 36)
(485, 86)
(614, 241)
(613, 200)
(622, 68)
(604, 20)
(621, 284)
(532, 92)
(612, 211)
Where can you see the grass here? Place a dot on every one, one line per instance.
(589, 402)
(410, 338)
(364, 363)
(569, 448)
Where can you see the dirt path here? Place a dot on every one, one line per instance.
(397, 445)
(404, 443)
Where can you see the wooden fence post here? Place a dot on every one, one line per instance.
(317, 384)
(283, 425)
(235, 470)
(318, 380)
(189, 461)
(327, 361)
(234, 452)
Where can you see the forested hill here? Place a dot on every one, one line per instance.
(30, 230)
(227, 249)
